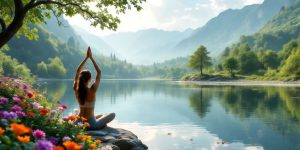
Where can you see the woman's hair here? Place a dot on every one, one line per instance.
(85, 76)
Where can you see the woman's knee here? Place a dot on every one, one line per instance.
(112, 115)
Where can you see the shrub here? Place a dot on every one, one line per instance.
(29, 121)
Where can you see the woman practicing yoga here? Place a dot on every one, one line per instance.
(87, 96)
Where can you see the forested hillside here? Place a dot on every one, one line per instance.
(57, 53)
(274, 51)
(229, 25)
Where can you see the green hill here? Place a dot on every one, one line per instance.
(278, 31)
(57, 53)
(274, 51)
(229, 25)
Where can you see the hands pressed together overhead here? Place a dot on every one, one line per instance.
(89, 53)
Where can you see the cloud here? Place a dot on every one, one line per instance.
(170, 14)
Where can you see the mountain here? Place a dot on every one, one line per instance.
(273, 51)
(281, 29)
(229, 25)
(58, 52)
(64, 32)
(95, 42)
(145, 46)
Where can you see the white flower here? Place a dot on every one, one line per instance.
(107, 147)
(75, 111)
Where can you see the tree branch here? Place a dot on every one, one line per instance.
(18, 5)
(29, 4)
(56, 17)
(3, 25)
(87, 11)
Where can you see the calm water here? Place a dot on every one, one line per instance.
(172, 115)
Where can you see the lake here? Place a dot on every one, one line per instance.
(173, 115)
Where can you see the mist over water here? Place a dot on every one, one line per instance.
(172, 115)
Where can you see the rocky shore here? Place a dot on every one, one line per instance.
(117, 139)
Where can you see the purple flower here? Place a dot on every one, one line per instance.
(25, 86)
(3, 100)
(49, 118)
(53, 112)
(44, 145)
(16, 99)
(21, 114)
(16, 108)
(39, 134)
(65, 119)
(53, 140)
(8, 115)
(81, 144)
(66, 138)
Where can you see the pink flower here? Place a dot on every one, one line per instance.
(36, 104)
(21, 114)
(39, 134)
(62, 107)
(16, 99)
(16, 108)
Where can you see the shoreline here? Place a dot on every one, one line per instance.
(136, 79)
(244, 83)
(238, 82)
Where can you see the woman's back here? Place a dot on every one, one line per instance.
(87, 108)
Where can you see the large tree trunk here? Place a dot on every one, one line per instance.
(15, 25)
(12, 29)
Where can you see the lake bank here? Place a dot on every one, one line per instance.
(244, 83)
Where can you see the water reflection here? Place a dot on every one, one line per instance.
(197, 116)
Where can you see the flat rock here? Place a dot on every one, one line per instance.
(118, 139)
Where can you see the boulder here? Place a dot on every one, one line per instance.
(117, 139)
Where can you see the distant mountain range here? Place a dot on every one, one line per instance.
(153, 45)
(95, 42)
(145, 46)
(229, 25)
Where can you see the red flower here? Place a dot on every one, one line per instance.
(24, 105)
(29, 94)
(64, 106)
(30, 114)
(44, 111)
(21, 96)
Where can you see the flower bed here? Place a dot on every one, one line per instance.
(30, 121)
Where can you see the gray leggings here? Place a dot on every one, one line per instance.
(96, 124)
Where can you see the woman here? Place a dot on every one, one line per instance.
(87, 96)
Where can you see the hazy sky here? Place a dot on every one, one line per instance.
(169, 15)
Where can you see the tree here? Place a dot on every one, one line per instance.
(249, 62)
(17, 15)
(231, 64)
(270, 59)
(200, 59)
(42, 69)
(56, 68)
(291, 65)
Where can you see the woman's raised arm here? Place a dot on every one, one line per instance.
(80, 68)
(98, 75)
